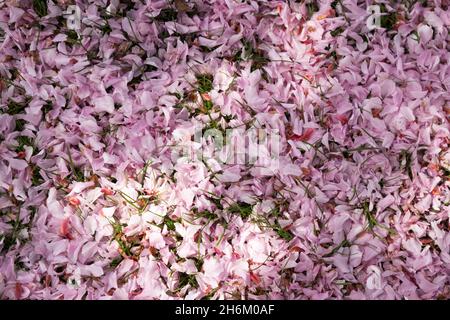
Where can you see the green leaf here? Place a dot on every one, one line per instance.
(36, 178)
(198, 263)
(106, 29)
(337, 31)
(47, 107)
(116, 262)
(216, 202)
(72, 37)
(369, 215)
(389, 19)
(20, 124)
(204, 82)
(334, 4)
(343, 244)
(166, 15)
(208, 49)
(312, 7)
(169, 223)
(23, 141)
(407, 157)
(286, 235)
(15, 107)
(208, 105)
(206, 214)
(40, 7)
(241, 208)
(187, 279)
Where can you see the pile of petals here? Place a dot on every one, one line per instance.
(93, 205)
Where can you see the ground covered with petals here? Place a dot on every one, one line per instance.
(93, 205)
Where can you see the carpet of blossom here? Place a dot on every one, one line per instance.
(93, 205)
